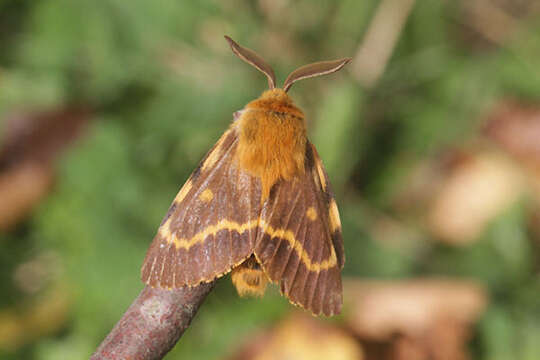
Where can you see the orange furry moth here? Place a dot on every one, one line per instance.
(259, 204)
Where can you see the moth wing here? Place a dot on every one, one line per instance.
(300, 244)
(211, 225)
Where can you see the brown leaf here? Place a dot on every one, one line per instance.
(415, 319)
(472, 195)
(516, 128)
(30, 145)
(39, 136)
(21, 188)
(379, 309)
(301, 337)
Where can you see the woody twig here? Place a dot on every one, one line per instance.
(153, 323)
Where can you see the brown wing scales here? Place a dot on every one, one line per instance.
(335, 223)
(299, 242)
(211, 225)
(216, 222)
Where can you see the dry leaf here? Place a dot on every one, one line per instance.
(304, 338)
(379, 309)
(30, 144)
(414, 320)
(472, 195)
(21, 188)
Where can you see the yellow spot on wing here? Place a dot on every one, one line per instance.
(165, 230)
(321, 174)
(333, 214)
(183, 192)
(311, 213)
(207, 195)
(214, 155)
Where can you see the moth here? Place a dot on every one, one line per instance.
(259, 205)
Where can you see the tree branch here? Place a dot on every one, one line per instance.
(153, 323)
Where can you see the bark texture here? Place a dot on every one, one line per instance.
(153, 323)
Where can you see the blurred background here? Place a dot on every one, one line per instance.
(431, 137)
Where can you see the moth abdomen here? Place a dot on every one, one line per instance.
(249, 278)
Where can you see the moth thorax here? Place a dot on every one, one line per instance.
(249, 279)
(272, 141)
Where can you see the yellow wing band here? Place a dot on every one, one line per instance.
(225, 224)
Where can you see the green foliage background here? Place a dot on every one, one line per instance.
(163, 85)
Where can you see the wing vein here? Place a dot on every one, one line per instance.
(269, 216)
(289, 215)
(293, 245)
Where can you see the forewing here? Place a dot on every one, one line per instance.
(210, 226)
(299, 243)
(333, 212)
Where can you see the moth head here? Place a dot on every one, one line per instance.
(304, 72)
